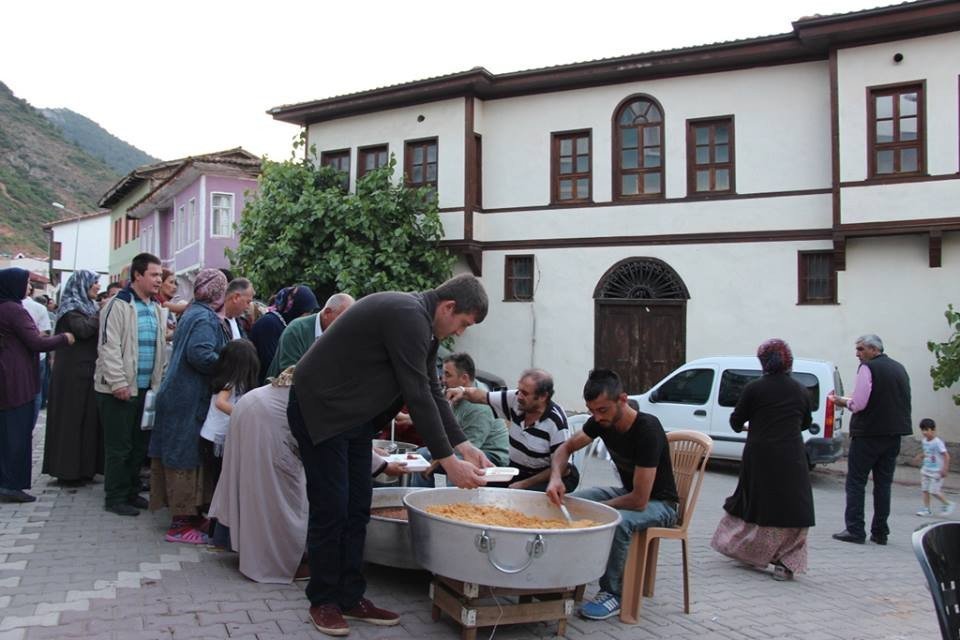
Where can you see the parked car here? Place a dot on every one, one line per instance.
(701, 395)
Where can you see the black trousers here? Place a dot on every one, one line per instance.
(339, 490)
(876, 455)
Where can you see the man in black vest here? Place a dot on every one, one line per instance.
(881, 417)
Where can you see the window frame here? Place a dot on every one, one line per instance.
(509, 288)
(920, 144)
(333, 158)
(556, 139)
(408, 148)
(230, 214)
(712, 167)
(617, 156)
(57, 250)
(181, 226)
(191, 221)
(803, 280)
(362, 153)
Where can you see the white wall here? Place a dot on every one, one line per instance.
(901, 201)
(793, 212)
(443, 120)
(86, 244)
(740, 294)
(933, 59)
(782, 129)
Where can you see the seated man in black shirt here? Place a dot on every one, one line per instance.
(648, 498)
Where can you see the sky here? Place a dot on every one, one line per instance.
(179, 78)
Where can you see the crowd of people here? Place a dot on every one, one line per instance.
(294, 394)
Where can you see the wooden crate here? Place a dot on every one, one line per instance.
(473, 605)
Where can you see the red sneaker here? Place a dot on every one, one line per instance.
(328, 619)
(368, 612)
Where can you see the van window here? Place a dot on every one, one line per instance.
(733, 381)
(687, 387)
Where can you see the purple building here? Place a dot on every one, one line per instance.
(190, 218)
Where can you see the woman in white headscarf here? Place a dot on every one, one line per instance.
(73, 449)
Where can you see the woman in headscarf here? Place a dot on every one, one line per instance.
(289, 304)
(770, 511)
(73, 449)
(180, 472)
(20, 342)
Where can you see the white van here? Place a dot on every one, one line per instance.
(701, 395)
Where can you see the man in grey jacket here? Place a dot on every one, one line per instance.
(380, 354)
(130, 361)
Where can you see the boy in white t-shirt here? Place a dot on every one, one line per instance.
(936, 465)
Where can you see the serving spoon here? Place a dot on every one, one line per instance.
(566, 512)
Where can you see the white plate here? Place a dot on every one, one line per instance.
(415, 463)
(500, 474)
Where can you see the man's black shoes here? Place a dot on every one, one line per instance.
(846, 536)
(877, 539)
(123, 509)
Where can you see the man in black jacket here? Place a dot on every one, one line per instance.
(379, 355)
(881, 417)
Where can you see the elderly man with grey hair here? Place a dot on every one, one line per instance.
(300, 334)
(880, 405)
(537, 427)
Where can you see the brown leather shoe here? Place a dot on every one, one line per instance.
(328, 619)
(368, 612)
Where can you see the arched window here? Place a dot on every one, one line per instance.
(638, 147)
(641, 279)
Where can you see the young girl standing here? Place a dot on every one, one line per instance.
(235, 374)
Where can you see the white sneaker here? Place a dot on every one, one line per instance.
(948, 508)
(924, 512)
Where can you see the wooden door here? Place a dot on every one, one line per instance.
(642, 341)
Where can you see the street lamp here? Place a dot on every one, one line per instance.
(76, 238)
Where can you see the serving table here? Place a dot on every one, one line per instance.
(473, 605)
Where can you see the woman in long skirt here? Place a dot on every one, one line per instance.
(768, 515)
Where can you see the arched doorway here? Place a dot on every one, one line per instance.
(640, 321)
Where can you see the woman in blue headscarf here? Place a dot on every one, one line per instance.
(73, 449)
(768, 515)
(289, 304)
(20, 342)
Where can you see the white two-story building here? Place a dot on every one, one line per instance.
(641, 211)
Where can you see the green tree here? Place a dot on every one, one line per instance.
(302, 226)
(947, 371)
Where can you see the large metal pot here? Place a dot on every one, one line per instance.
(388, 540)
(510, 557)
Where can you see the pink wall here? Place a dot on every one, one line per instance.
(213, 253)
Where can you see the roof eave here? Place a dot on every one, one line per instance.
(811, 38)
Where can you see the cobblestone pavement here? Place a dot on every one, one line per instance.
(70, 570)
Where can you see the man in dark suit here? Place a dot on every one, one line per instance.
(379, 355)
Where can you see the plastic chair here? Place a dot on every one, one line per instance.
(689, 452)
(938, 550)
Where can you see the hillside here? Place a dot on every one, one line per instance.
(39, 166)
(97, 141)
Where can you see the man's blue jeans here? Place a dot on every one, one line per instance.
(657, 514)
(339, 490)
